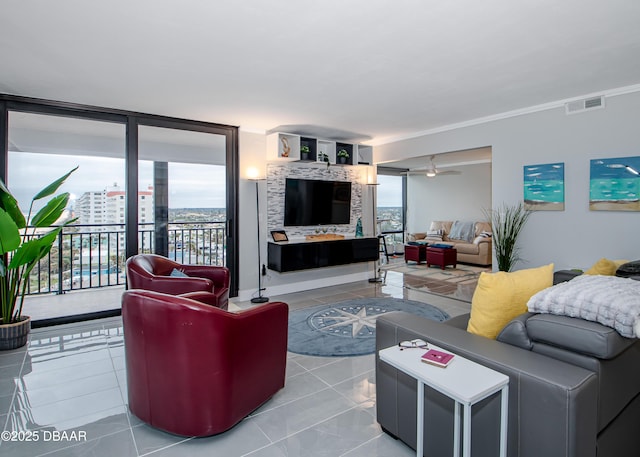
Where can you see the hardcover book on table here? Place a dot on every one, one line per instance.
(437, 358)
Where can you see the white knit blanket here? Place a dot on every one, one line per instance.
(609, 300)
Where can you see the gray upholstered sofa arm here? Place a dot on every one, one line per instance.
(552, 404)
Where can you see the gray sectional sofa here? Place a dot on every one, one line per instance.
(574, 387)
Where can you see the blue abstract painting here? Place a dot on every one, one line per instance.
(544, 187)
(615, 184)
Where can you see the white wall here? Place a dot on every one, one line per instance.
(575, 237)
(448, 197)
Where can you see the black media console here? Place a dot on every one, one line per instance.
(292, 256)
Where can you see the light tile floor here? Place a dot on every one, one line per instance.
(65, 395)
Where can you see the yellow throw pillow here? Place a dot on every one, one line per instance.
(500, 297)
(604, 267)
(619, 263)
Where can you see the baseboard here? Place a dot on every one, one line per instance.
(282, 289)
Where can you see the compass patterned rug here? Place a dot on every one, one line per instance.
(347, 328)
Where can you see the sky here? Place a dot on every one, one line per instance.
(389, 191)
(190, 185)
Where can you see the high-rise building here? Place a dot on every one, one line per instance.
(89, 208)
(108, 207)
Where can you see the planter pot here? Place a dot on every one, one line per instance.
(342, 160)
(304, 155)
(15, 335)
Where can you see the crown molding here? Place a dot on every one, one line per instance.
(506, 115)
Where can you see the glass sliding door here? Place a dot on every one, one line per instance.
(145, 183)
(90, 253)
(182, 195)
(391, 210)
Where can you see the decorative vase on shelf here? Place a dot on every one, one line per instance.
(359, 233)
(286, 149)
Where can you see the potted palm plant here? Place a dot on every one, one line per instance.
(507, 223)
(22, 245)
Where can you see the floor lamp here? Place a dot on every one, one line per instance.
(374, 221)
(259, 298)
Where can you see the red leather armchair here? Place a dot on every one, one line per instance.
(205, 283)
(197, 370)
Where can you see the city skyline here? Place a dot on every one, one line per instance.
(191, 185)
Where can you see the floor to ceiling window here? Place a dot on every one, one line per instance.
(391, 209)
(145, 183)
(185, 173)
(43, 148)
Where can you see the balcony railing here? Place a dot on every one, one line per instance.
(93, 255)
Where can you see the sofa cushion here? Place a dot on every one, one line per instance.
(605, 267)
(515, 332)
(416, 236)
(482, 239)
(577, 335)
(434, 236)
(464, 231)
(178, 273)
(483, 227)
(629, 269)
(445, 226)
(466, 248)
(500, 297)
(609, 300)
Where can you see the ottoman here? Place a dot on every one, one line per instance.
(442, 257)
(415, 252)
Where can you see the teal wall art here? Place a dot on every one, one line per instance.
(544, 187)
(614, 184)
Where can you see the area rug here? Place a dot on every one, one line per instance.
(458, 274)
(347, 328)
(458, 283)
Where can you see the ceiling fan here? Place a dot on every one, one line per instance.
(431, 170)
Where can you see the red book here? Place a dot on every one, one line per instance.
(437, 358)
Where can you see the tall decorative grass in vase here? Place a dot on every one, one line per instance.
(507, 223)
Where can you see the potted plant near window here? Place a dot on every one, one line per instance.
(22, 245)
(304, 152)
(507, 223)
(343, 155)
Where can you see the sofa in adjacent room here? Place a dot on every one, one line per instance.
(574, 387)
(472, 240)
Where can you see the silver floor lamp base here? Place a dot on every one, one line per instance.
(375, 278)
(376, 268)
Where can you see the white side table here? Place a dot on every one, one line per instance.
(464, 381)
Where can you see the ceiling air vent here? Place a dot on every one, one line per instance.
(579, 106)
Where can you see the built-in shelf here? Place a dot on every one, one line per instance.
(308, 149)
(287, 147)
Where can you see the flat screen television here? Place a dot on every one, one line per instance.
(315, 202)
